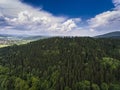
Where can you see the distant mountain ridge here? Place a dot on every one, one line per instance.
(115, 34)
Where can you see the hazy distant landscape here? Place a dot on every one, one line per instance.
(4, 42)
(8, 40)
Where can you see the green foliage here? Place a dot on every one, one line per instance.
(84, 85)
(95, 87)
(114, 87)
(3, 70)
(21, 84)
(3, 79)
(45, 85)
(110, 62)
(104, 86)
(67, 88)
(35, 83)
(67, 63)
(54, 78)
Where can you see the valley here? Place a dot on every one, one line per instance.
(5, 43)
(9, 40)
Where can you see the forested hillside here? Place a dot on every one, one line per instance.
(69, 63)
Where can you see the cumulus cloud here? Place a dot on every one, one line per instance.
(106, 21)
(116, 4)
(16, 16)
(19, 18)
(68, 25)
(109, 20)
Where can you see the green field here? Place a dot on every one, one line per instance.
(19, 42)
(1, 46)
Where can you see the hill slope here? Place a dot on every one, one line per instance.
(61, 64)
(110, 35)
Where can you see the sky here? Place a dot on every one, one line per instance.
(73, 8)
(59, 17)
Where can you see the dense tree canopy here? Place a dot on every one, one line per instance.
(68, 63)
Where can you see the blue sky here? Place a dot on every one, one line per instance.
(73, 8)
(59, 17)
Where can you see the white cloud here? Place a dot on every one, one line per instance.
(21, 17)
(66, 26)
(116, 4)
(109, 18)
(107, 21)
